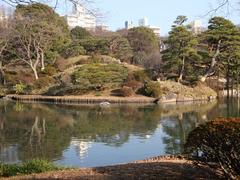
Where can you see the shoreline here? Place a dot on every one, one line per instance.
(169, 167)
(82, 99)
(110, 99)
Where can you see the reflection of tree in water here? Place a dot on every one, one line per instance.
(180, 124)
(32, 133)
(45, 131)
(114, 125)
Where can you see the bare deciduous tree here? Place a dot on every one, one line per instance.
(30, 40)
(5, 26)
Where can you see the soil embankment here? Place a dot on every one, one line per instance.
(155, 168)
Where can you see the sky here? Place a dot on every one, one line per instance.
(160, 13)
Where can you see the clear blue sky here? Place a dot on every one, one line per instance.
(159, 12)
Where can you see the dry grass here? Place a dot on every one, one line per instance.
(82, 99)
(154, 168)
(199, 91)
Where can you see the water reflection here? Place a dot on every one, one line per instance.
(81, 135)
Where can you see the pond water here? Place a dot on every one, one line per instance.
(90, 135)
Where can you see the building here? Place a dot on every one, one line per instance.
(143, 22)
(156, 30)
(4, 13)
(197, 27)
(128, 24)
(5, 16)
(81, 17)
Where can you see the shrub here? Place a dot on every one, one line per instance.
(29, 167)
(126, 91)
(135, 85)
(2, 91)
(95, 45)
(67, 90)
(97, 76)
(20, 88)
(43, 82)
(152, 89)
(73, 50)
(98, 94)
(96, 58)
(50, 70)
(141, 76)
(217, 141)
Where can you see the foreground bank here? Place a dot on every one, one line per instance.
(154, 168)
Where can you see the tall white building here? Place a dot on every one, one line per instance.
(3, 13)
(143, 22)
(156, 30)
(81, 17)
(197, 26)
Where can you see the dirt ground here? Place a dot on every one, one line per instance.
(154, 169)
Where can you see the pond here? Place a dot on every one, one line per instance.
(90, 135)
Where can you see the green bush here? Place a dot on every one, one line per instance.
(95, 45)
(68, 90)
(29, 167)
(141, 76)
(43, 82)
(98, 76)
(2, 91)
(98, 94)
(73, 50)
(20, 88)
(50, 70)
(152, 89)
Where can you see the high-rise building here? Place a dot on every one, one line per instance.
(3, 13)
(197, 27)
(156, 30)
(81, 17)
(128, 24)
(143, 22)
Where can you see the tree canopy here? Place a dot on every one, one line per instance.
(144, 43)
(181, 52)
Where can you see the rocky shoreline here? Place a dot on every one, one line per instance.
(110, 99)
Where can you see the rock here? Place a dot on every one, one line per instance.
(184, 99)
(168, 98)
(118, 61)
(210, 98)
(104, 104)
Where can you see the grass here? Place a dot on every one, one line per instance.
(28, 167)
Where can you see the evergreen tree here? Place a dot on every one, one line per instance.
(181, 52)
(220, 38)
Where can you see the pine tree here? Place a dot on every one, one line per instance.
(181, 52)
(219, 38)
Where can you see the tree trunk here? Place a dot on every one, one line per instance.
(237, 83)
(232, 84)
(2, 78)
(213, 63)
(182, 70)
(228, 71)
(34, 68)
(42, 60)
